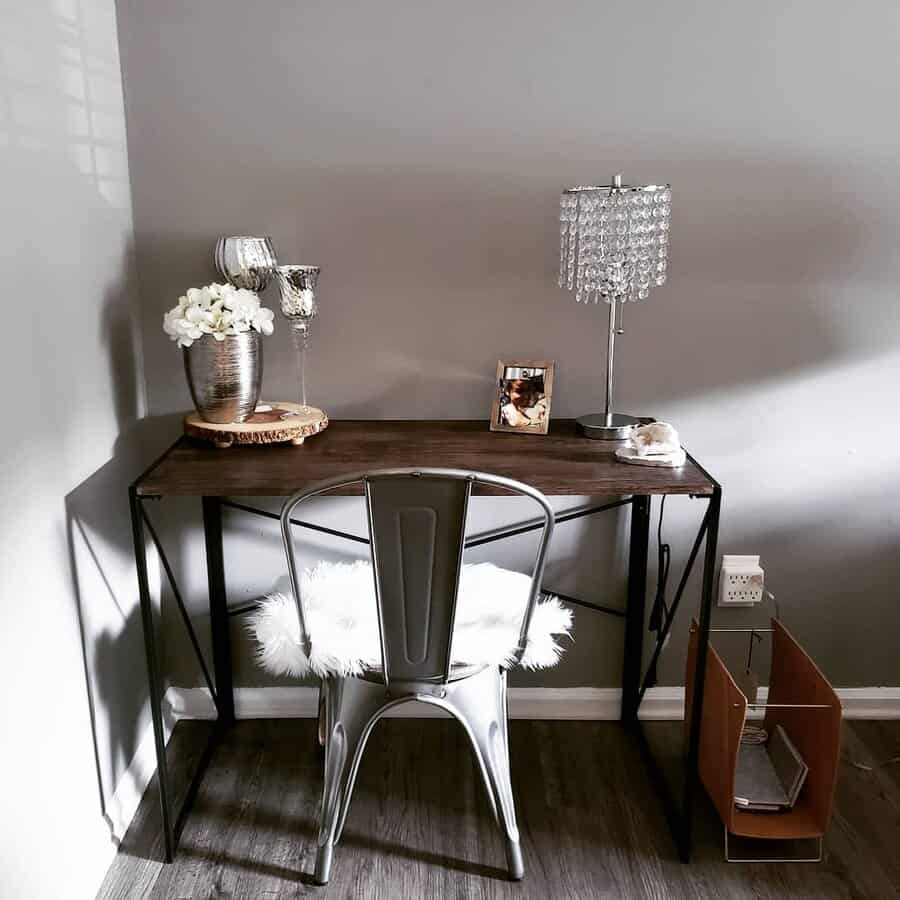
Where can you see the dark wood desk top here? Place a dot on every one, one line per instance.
(561, 462)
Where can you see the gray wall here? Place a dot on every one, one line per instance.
(71, 667)
(416, 151)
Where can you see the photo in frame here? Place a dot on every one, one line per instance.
(522, 393)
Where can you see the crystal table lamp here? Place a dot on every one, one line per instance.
(613, 247)
(299, 306)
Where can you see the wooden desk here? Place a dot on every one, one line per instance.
(561, 463)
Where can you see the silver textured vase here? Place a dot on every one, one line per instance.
(225, 376)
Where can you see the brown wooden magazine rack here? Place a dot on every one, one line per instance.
(802, 701)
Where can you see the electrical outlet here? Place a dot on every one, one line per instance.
(741, 581)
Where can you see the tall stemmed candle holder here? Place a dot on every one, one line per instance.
(299, 306)
(613, 247)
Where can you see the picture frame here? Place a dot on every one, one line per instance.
(523, 390)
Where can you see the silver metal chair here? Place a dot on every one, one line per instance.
(417, 521)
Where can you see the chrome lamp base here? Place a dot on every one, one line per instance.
(607, 426)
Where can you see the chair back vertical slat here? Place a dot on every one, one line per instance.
(417, 521)
(417, 528)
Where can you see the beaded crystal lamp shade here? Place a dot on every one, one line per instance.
(613, 247)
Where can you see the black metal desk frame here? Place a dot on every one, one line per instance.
(635, 679)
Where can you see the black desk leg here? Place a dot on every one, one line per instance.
(155, 686)
(691, 764)
(218, 610)
(634, 615)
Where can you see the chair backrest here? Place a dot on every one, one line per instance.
(417, 520)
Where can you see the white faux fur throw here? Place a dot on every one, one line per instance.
(339, 607)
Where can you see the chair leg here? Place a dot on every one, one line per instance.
(320, 731)
(479, 703)
(351, 709)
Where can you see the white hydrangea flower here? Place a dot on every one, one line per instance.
(219, 310)
(169, 322)
(242, 303)
(195, 314)
(197, 298)
(263, 320)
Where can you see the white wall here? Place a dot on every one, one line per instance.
(71, 666)
(416, 152)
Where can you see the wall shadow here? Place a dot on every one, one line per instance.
(101, 557)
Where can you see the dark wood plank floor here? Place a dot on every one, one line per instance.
(419, 826)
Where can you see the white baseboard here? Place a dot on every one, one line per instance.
(122, 805)
(870, 702)
(597, 704)
(667, 703)
(302, 703)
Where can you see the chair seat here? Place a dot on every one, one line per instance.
(340, 610)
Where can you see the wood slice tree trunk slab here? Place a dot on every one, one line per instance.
(271, 423)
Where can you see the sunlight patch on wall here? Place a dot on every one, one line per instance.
(65, 95)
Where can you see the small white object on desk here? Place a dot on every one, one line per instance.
(672, 460)
(656, 445)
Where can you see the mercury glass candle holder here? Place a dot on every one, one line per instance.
(299, 306)
(246, 261)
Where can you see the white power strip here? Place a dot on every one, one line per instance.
(741, 581)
